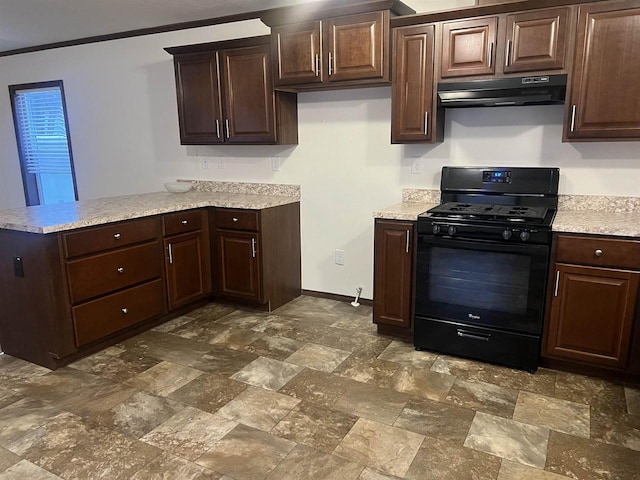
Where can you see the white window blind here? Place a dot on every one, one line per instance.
(43, 135)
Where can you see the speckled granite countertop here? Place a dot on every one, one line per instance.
(68, 216)
(590, 214)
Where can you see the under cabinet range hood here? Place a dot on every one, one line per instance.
(500, 92)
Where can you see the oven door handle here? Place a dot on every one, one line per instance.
(483, 245)
(474, 336)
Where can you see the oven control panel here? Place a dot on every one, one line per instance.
(496, 176)
(484, 232)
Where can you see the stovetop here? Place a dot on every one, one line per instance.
(487, 212)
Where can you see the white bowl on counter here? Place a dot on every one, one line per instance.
(178, 187)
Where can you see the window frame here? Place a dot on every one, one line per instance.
(29, 182)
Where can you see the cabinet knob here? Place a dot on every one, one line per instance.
(124, 310)
(116, 236)
(120, 269)
(184, 222)
(599, 253)
(235, 219)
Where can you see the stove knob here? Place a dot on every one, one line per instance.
(507, 234)
(451, 231)
(524, 235)
(436, 229)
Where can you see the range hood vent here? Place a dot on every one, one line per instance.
(539, 90)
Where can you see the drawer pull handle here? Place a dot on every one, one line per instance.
(124, 310)
(120, 269)
(474, 336)
(184, 222)
(599, 253)
(117, 236)
(235, 219)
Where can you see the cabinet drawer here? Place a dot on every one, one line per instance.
(106, 315)
(100, 274)
(237, 219)
(110, 236)
(608, 252)
(181, 222)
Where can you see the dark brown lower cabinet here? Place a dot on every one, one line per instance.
(393, 276)
(188, 268)
(239, 265)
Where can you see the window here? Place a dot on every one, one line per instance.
(44, 145)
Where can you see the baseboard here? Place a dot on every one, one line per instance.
(335, 296)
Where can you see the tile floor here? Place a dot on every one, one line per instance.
(309, 391)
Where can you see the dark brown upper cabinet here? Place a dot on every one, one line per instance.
(225, 95)
(414, 118)
(343, 45)
(522, 42)
(604, 102)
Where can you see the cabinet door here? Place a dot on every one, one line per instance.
(468, 47)
(605, 91)
(393, 273)
(198, 91)
(412, 84)
(592, 314)
(536, 40)
(187, 266)
(248, 96)
(239, 265)
(297, 53)
(357, 46)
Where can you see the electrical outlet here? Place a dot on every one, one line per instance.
(275, 164)
(416, 165)
(204, 164)
(339, 257)
(221, 164)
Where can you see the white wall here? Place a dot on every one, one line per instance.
(123, 121)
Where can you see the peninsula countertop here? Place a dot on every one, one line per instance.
(68, 216)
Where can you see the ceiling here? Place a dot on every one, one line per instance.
(29, 23)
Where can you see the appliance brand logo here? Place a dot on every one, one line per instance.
(474, 317)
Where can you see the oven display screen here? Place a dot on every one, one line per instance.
(493, 176)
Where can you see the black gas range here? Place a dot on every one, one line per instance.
(482, 264)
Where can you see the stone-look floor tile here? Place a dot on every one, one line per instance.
(542, 382)
(372, 370)
(356, 323)
(374, 403)
(202, 330)
(167, 347)
(438, 459)
(7, 397)
(259, 408)
(526, 444)
(209, 392)
(615, 428)
(406, 354)
(591, 391)
(115, 364)
(96, 399)
(75, 449)
(7, 459)
(388, 449)
(171, 325)
(246, 454)
(235, 338)
(423, 383)
(371, 474)
(289, 327)
(317, 387)
(189, 433)
(245, 319)
(310, 307)
(516, 471)
(338, 338)
(318, 357)
(24, 416)
(583, 459)
(371, 350)
(552, 413)
(267, 373)
(306, 463)
(273, 347)
(222, 361)
(139, 414)
(315, 426)
(632, 396)
(484, 397)
(436, 420)
(27, 470)
(170, 467)
(14, 371)
(58, 385)
(164, 378)
(212, 312)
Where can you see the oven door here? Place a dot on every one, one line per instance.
(488, 284)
